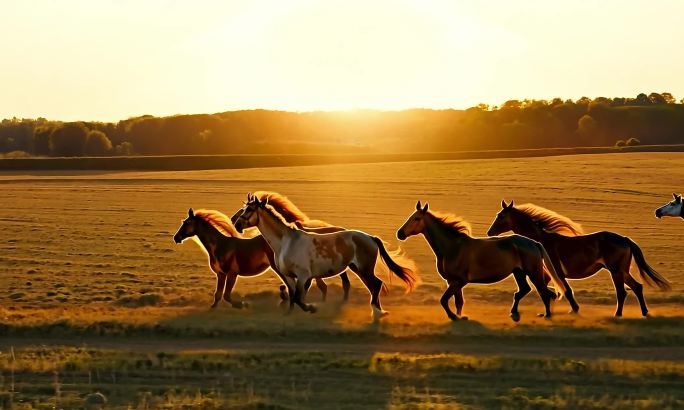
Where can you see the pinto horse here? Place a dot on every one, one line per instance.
(301, 256)
(292, 214)
(230, 255)
(674, 208)
(579, 256)
(462, 259)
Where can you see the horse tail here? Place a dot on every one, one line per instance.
(649, 275)
(405, 273)
(551, 271)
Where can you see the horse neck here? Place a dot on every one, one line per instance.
(438, 236)
(209, 236)
(525, 226)
(272, 229)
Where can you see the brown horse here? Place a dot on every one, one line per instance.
(462, 259)
(292, 214)
(230, 255)
(301, 255)
(579, 256)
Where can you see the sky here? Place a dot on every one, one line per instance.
(112, 59)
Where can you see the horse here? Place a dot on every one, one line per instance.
(463, 259)
(674, 208)
(292, 214)
(301, 256)
(579, 256)
(230, 255)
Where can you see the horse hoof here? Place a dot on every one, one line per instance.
(515, 317)
(464, 317)
(547, 317)
(541, 314)
(312, 309)
(574, 312)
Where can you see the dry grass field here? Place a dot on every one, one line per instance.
(96, 297)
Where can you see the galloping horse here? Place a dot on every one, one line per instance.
(674, 208)
(580, 256)
(292, 214)
(462, 259)
(230, 255)
(301, 256)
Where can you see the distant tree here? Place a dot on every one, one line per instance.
(632, 142)
(41, 140)
(656, 99)
(124, 149)
(68, 139)
(587, 125)
(97, 144)
(669, 98)
(642, 99)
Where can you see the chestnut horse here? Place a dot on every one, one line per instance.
(292, 214)
(301, 256)
(462, 259)
(579, 256)
(230, 255)
(674, 208)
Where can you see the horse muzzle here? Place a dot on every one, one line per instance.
(658, 213)
(177, 239)
(238, 226)
(401, 235)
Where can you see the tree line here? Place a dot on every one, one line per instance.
(656, 118)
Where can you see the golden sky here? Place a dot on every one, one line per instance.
(111, 59)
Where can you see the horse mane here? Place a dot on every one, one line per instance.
(283, 206)
(453, 222)
(551, 221)
(274, 212)
(219, 221)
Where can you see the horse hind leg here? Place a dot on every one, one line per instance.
(346, 285)
(523, 290)
(374, 286)
(638, 290)
(537, 279)
(323, 287)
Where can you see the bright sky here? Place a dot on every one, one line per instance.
(112, 59)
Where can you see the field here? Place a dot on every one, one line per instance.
(96, 297)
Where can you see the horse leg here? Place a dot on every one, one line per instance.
(638, 290)
(374, 286)
(220, 285)
(569, 295)
(301, 288)
(346, 285)
(323, 287)
(545, 294)
(230, 283)
(620, 292)
(459, 301)
(523, 289)
(444, 300)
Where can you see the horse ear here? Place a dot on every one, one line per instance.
(264, 202)
(510, 206)
(191, 213)
(425, 208)
(504, 205)
(418, 206)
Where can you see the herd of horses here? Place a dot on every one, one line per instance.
(545, 248)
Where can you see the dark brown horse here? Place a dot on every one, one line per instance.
(579, 256)
(230, 255)
(292, 214)
(462, 259)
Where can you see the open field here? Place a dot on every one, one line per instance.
(95, 296)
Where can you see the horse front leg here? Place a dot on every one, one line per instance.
(230, 283)
(523, 289)
(444, 300)
(302, 285)
(220, 285)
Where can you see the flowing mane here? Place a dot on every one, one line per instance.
(453, 222)
(219, 221)
(274, 212)
(283, 206)
(551, 221)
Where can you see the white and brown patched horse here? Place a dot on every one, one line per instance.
(463, 259)
(301, 256)
(292, 214)
(674, 208)
(230, 255)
